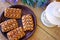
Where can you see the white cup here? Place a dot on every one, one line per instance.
(52, 14)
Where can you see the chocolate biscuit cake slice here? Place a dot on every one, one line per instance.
(16, 34)
(8, 25)
(27, 22)
(13, 13)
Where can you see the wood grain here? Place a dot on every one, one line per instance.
(40, 35)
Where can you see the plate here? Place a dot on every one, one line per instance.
(25, 10)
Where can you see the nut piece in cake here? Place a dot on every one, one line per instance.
(13, 13)
(16, 34)
(8, 25)
(27, 21)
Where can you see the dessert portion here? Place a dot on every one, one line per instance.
(11, 27)
(27, 21)
(8, 25)
(16, 34)
(13, 13)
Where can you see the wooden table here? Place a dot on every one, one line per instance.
(42, 32)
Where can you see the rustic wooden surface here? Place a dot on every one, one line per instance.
(42, 32)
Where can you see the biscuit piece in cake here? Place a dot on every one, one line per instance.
(27, 21)
(16, 34)
(13, 13)
(8, 25)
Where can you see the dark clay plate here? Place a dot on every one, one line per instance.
(25, 10)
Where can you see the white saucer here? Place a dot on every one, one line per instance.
(45, 21)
